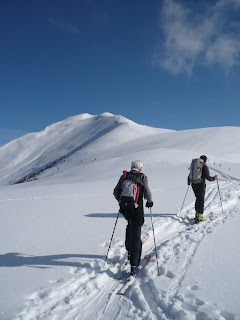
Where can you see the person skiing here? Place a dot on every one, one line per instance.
(199, 188)
(133, 212)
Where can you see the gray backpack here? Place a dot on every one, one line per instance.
(195, 174)
(130, 188)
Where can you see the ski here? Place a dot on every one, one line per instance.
(121, 272)
(145, 237)
(130, 280)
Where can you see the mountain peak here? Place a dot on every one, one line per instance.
(35, 151)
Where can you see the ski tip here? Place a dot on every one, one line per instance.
(147, 258)
(145, 238)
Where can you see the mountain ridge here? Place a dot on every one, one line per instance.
(36, 151)
(104, 136)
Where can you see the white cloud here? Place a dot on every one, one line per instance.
(224, 3)
(192, 38)
(67, 27)
(224, 51)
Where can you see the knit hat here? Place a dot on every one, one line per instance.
(204, 158)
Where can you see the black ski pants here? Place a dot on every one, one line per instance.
(199, 191)
(133, 243)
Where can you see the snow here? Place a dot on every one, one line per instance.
(221, 287)
(55, 230)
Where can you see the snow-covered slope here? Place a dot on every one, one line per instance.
(35, 151)
(86, 138)
(55, 232)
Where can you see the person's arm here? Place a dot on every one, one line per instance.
(147, 193)
(206, 174)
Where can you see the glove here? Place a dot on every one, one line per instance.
(149, 204)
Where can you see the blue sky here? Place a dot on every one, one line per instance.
(166, 63)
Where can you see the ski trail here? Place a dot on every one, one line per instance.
(90, 293)
(175, 257)
(90, 289)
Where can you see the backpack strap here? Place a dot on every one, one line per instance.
(123, 178)
(124, 174)
(137, 194)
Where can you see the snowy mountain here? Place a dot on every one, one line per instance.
(55, 230)
(86, 137)
(79, 134)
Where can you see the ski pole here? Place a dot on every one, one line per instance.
(184, 201)
(219, 195)
(111, 241)
(154, 242)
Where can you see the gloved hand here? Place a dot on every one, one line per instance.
(149, 204)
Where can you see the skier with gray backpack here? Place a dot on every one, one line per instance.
(198, 174)
(130, 190)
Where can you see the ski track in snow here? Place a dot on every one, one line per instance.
(90, 289)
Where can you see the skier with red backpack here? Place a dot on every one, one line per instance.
(130, 190)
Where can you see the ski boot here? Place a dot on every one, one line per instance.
(134, 270)
(200, 217)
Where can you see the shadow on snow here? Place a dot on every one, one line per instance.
(114, 215)
(15, 259)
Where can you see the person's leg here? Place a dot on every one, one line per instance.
(201, 197)
(199, 191)
(133, 243)
(128, 240)
(195, 190)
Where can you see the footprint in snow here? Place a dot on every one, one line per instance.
(194, 287)
(170, 275)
